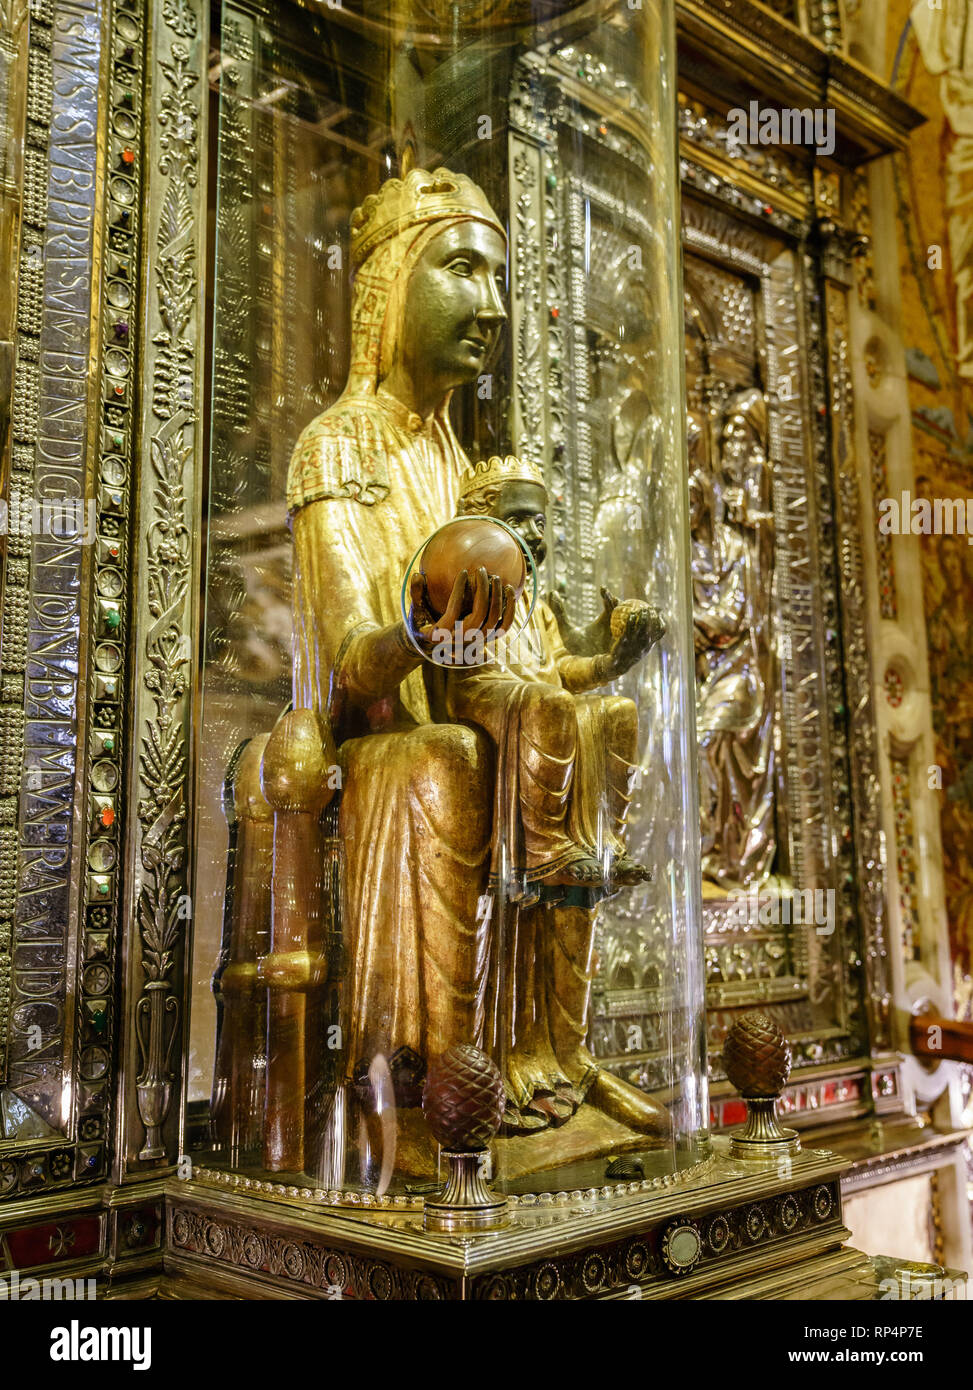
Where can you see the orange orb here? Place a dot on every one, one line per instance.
(467, 544)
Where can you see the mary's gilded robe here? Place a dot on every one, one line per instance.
(369, 483)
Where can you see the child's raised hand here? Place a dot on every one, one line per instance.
(635, 629)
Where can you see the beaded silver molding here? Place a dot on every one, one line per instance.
(367, 1201)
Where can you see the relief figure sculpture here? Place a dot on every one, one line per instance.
(733, 571)
(421, 799)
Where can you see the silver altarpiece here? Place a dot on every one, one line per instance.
(145, 144)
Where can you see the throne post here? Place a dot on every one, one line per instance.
(294, 777)
(238, 1073)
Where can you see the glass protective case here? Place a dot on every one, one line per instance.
(447, 861)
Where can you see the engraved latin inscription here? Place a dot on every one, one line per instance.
(39, 1029)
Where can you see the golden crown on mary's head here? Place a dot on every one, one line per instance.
(419, 198)
(495, 471)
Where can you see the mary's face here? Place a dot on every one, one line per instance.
(454, 310)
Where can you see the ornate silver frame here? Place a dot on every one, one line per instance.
(108, 302)
(822, 608)
(57, 890)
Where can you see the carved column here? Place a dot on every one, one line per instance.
(917, 969)
(839, 244)
(168, 586)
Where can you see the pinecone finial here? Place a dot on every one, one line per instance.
(463, 1099)
(757, 1061)
(463, 1103)
(757, 1056)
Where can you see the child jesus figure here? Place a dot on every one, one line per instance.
(564, 756)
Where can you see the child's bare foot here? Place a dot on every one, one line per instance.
(585, 871)
(627, 870)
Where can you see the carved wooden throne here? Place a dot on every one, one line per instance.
(276, 982)
(282, 1089)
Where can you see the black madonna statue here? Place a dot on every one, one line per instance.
(481, 814)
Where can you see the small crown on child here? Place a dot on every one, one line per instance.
(495, 471)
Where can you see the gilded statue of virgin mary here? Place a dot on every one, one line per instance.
(370, 480)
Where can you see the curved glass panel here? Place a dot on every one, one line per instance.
(447, 287)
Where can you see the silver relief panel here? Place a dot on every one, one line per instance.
(780, 934)
(48, 502)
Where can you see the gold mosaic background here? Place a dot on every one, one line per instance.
(934, 186)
